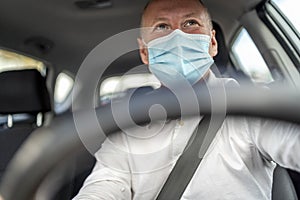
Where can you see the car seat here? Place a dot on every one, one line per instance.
(24, 100)
(283, 187)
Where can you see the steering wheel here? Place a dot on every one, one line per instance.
(48, 146)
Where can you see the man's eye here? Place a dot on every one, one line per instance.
(191, 23)
(161, 27)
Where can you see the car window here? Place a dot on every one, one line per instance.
(249, 59)
(289, 10)
(62, 92)
(116, 86)
(14, 61)
(282, 18)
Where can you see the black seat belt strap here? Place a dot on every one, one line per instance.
(188, 162)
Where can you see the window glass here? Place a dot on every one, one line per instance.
(117, 86)
(63, 88)
(290, 10)
(249, 59)
(13, 61)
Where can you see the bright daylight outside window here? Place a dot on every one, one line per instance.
(290, 9)
(249, 59)
(63, 87)
(14, 61)
(117, 86)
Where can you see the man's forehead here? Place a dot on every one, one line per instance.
(173, 2)
(170, 5)
(165, 9)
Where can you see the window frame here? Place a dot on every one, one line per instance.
(278, 61)
(282, 29)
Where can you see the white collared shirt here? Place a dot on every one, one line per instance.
(239, 163)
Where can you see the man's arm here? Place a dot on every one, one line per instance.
(110, 178)
(278, 141)
(104, 184)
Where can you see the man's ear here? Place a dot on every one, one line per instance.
(143, 51)
(213, 47)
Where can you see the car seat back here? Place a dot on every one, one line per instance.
(283, 187)
(24, 99)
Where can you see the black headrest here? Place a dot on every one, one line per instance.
(222, 58)
(23, 91)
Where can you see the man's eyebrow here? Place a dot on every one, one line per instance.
(191, 15)
(156, 19)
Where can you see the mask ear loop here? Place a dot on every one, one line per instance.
(146, 45)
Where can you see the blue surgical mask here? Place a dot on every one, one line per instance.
(179, 56)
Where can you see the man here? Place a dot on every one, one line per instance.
(240, 161)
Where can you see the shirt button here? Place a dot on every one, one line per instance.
(181, 122)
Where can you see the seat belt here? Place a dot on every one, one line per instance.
(190, 159)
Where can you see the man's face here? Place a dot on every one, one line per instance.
(164, 16)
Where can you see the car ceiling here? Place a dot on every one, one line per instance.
(61, 33)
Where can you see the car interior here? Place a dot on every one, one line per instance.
(44, 44)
